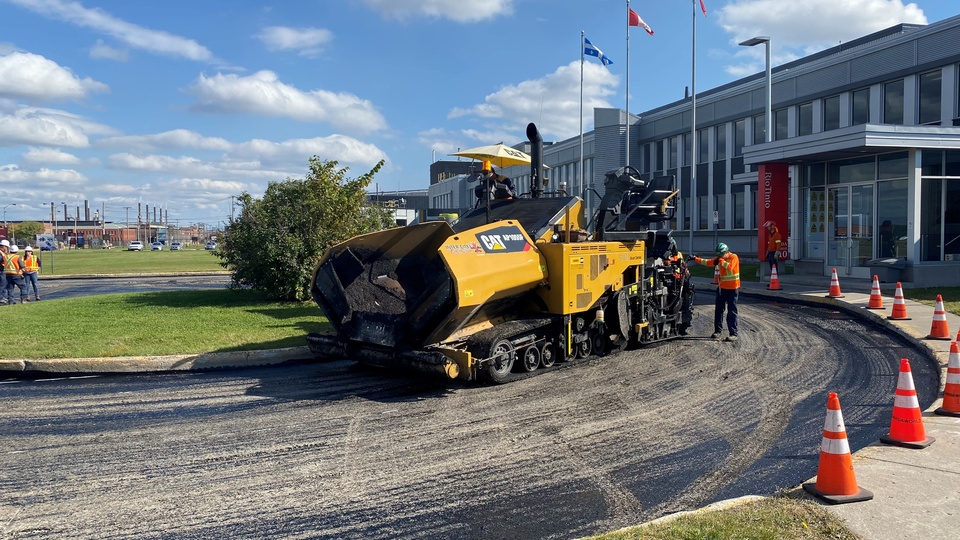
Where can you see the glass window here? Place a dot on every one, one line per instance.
(720, 205)
(805, 119)
(720, 133)
(753, 204)
(930, 219)
(893, 166)
(892, 219)
(738, 210)
(647, 152)
(851, 170)
(687, 149)
(831, 113)
(929, 101)
(703, 146)
(658, 157)
(861, 106)
(703, 218)
(893, 102)
(815, 210)
(780, 124)
(759, 129)
(739, 137)
(674, 141)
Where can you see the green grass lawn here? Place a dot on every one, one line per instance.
(120, 261)
(158, 323)
(773, 518)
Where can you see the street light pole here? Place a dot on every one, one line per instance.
(769, 83)
(768, 111)
(5, 215)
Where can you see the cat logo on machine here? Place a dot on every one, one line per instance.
(504, 240)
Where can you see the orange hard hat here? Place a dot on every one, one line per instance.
(486, 166)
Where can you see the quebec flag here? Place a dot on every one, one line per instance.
(591, 50)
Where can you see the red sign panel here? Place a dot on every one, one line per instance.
(773, 204)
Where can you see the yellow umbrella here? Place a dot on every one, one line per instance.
(498, 154)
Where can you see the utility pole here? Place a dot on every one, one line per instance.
(126, 225)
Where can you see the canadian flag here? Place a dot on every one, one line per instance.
(703, 8)
(635, 20)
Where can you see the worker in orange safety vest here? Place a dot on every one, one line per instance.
(727, 293)
(13, 271)
(774, 241)
(31, 271)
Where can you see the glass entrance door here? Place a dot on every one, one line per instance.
(851, 215)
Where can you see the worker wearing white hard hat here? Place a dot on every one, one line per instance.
(13, 271)
(31, 272)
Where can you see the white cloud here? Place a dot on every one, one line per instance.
(155, 41)
(307, 42)
(102, 51)
(34, 126)
(43, 177)
(463, 11)
(553, 102)
(177, 138)
(51, 156)
(800, 28)
(296, 152)
(33, 77)
(262, 93)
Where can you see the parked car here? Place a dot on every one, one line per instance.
(135, 245)
(210, 245)
(176, 246)
(156, 246)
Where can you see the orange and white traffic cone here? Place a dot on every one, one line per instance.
(938, 327)
(716, 275)
(836, 482)
(834, 286)
(951, 390)
(876, 300)
(774, 280)
(906, 426)
(899, 312)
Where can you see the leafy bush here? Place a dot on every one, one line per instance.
(276, 242)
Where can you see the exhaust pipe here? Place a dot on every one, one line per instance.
(536, 160)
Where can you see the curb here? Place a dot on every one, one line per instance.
(178, 362)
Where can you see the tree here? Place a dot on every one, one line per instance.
(27, 231)
(276, 242)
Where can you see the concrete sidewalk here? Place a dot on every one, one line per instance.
(916, 492)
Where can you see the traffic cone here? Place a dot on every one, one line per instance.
(834, 286)
(774, 281)
(951, 391)
(906, 426)
(899, 312)
(836, 482)
(716, 275)
(876, 300)
(938, 327)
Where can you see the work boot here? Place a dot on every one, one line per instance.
(682, 329)
(715, 335)
(731, 339)
(38, 298)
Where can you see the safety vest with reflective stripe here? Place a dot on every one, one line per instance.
(13, 266)
(729, 270)
(773, 243)
(31, 264)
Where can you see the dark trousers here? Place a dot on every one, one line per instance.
(14, 281)
(726, 299)
(772, 259)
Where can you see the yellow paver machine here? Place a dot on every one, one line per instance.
(512, 286)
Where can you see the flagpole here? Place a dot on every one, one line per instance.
(581, 113)
(693, 120)
(627, 105)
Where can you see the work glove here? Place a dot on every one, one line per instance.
(716, 262)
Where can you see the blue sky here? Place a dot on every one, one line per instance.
(181, 104)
